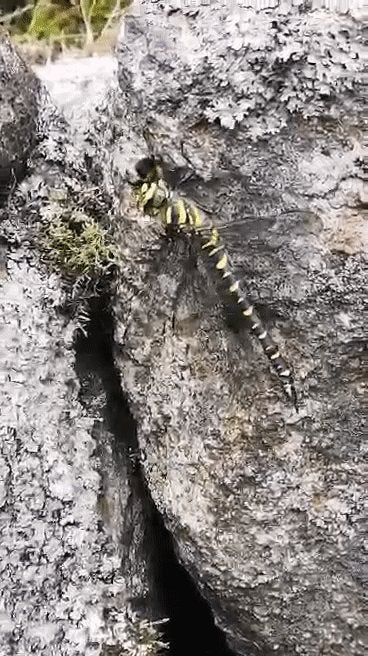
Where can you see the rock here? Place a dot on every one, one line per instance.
(265, 505)
(76, 94)
(69, 576)
(19, 91)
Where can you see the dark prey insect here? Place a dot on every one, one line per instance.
(177, 215)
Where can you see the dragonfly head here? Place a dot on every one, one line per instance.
(149, 169)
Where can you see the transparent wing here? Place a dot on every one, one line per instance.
(192, 291)
(266, 226)
(254, 222)
(268, 231)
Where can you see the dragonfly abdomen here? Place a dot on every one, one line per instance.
(215, 250)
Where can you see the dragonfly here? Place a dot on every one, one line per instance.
(180, 216)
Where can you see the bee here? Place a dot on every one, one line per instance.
(179, 216)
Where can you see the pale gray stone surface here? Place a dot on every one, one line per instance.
(67, 505)
(267, 507)
(78, 85)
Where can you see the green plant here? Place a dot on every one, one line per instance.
(64, 23)
(78, 246)
(139, 637)
(54, 19)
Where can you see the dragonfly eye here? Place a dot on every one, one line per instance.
(145, 167)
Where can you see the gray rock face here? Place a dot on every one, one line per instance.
(50, 484)
(77, 85)
(66, 504)
(18, 115)
(266, 506)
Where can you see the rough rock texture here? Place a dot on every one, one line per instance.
(266, 506)
(67, 505)
(17, 116)
(78, 85)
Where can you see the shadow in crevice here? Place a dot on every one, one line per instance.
(191, 628)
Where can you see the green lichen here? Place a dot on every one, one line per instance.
(80, 250)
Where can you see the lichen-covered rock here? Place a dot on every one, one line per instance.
(66, 504)
(18, 115)
(76, 94)
(266, 506)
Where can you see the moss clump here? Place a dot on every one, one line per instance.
(149, 640)
(78, 246)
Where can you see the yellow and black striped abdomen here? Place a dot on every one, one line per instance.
(215, 250)
(181, 216)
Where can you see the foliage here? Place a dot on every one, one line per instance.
(63, 23)
(53, 19)
(150, 642)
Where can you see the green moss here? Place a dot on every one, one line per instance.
(78, 246)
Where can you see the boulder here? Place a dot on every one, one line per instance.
(264, 109)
